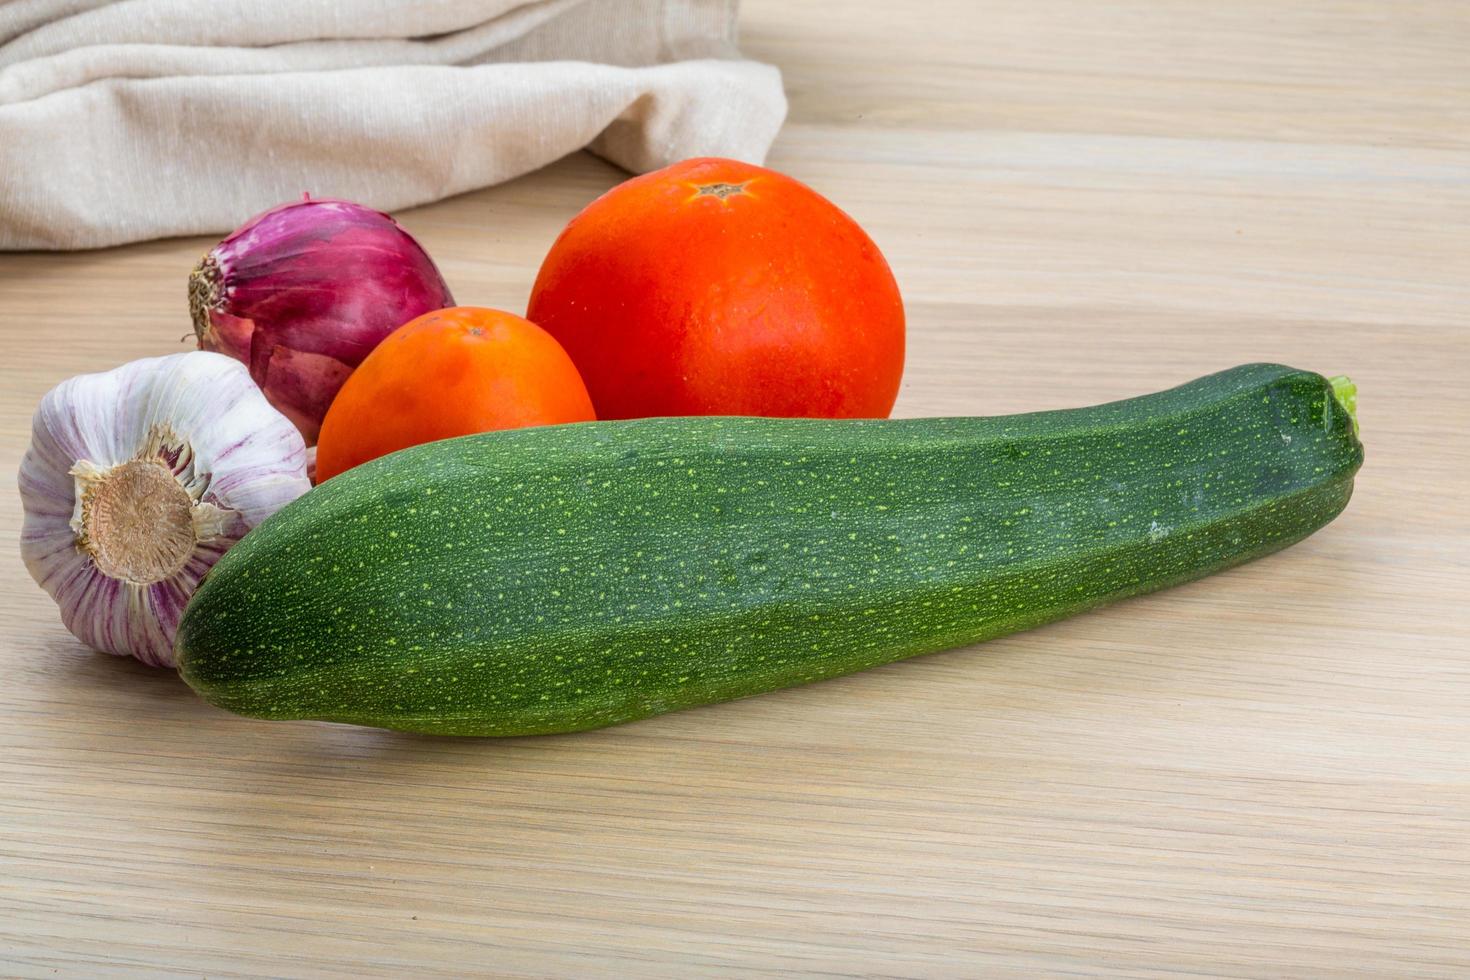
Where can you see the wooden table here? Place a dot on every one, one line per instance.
(1266, 773)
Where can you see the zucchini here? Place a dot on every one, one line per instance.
(575, 576)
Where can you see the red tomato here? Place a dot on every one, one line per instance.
(714, 287)
(448, 373)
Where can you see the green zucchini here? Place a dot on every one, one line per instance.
(570, 577)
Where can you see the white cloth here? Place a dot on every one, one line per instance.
(123, 120)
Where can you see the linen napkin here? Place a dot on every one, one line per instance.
(123, 120)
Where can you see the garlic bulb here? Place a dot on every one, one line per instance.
(137, 480)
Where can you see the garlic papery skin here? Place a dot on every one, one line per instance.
(137, 480)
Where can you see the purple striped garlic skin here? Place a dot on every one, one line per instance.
(137, 480)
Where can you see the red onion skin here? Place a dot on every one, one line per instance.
(303, 292)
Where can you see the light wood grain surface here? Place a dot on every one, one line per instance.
(1266, 773)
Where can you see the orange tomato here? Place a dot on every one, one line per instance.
(452, 372)
(714, 287)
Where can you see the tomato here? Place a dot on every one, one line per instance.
(452, 372)
(714, 287)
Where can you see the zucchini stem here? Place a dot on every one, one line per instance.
(1346, 394)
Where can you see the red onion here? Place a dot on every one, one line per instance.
(303, 292)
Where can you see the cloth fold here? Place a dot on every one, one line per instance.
(135, 119)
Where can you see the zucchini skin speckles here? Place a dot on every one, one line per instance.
(571, 577)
